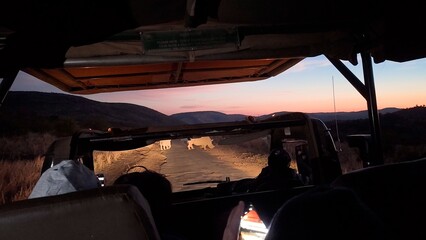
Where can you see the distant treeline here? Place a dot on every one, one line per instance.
(407, 126)
(404, 130)
(27, 136)
(19, 124)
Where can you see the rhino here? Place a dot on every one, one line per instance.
(165, 144)
(203, 142)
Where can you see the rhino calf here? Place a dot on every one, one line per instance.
(165, 144)
(203, 142)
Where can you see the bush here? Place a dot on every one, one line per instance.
(27, 146)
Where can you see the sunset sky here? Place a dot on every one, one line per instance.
(307, 87)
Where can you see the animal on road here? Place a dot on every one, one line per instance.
(203, 142)
(165, 144)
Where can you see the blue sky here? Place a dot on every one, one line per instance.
(307, 87)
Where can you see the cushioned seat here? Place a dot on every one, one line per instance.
(396, 193)
(325, 212)
(114, 212)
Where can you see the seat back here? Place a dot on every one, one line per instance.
(396, 193)
(114, 212)
(325, 212)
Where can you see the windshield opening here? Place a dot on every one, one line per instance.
(196, 163)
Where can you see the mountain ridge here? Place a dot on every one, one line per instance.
(126, 115)
(215, 116)
(27, 107)
(56, 115)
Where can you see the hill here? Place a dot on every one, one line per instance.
(403, 130)
(25, 111)
(212, 116)
(403, 127)
(349, 115)
(62, 113)
(207, 117)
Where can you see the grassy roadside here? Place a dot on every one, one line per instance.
(18, 178)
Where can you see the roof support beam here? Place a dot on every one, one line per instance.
(358, 85)
(373, 113)
(368, 91)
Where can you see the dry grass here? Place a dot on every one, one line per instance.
(18, 178)
(349, 158)
(102, 159)
(115, 163)
(20, 164)
(27, 146)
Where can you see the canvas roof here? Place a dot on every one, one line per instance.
(93, 46)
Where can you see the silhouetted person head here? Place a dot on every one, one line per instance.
(157, 190)
(279, 159)
(325, 213)
(278, 174)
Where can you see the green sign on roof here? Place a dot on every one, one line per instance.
(190, 39)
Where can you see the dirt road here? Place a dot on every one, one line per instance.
(196, 165)
(181, 165)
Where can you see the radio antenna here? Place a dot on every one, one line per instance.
(335, 116)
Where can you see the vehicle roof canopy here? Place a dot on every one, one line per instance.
(87, 47)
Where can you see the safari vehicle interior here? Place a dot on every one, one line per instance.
(215, 190)
(111, 46)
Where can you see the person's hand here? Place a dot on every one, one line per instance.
(232, 228)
